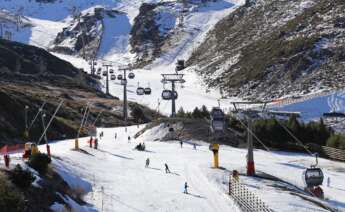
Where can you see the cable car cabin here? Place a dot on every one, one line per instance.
(175, 95)
(140, 91)
(104, 73)
(113, 77)
(111, 71)
(217, 119)
(131, 75)
(180, 65)
(123, 82)
(119, 77)
(147, 91)
(167, 94)
(313, 177)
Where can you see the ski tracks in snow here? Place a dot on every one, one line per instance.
(202, 188)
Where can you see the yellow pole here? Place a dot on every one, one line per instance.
(216, 159)
(76, 144)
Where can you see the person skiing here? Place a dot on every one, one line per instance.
(181, 143)
(328, 181)
(185, 188)
(167, 170)
(147, 163)
(129, 139)
(194, 146)
(115, 136)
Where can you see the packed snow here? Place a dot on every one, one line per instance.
(120, 181)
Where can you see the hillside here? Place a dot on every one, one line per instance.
(31, 76)
(275, 48)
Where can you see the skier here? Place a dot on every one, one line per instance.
(185, 188)
(96, 144)
(90, 142)
(115, 136)
(144, 147)
(167, 170)
(147, 163)
(236, 175)
(328, 181)
(7, 160)
(129, 139)
(194, 146)
(181, 143)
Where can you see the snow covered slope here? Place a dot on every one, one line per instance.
(314, 108)
(48, 19)
(120, 181)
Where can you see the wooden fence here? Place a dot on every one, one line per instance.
(246, 199)
(328, 152)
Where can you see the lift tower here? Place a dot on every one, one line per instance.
(126, 68)
(173, 78)
(250, 114)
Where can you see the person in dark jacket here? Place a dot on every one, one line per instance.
(185, 188)
(167, 170)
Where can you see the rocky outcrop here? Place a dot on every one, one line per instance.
(274, 49)
(30, 76)
(83, 36)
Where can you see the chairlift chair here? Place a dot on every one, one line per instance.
(131, 75)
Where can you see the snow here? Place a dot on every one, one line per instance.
(313, 109)
(120, 181)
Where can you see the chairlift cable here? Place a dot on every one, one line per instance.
(50, 121)
(37, 114)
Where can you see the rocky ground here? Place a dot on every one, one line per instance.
(270, 49)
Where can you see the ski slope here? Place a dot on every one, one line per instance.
(117, 180)
(314, 108)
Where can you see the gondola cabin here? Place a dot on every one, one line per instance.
(313, 177)
(111, 71)
(104, 73)
(147, 91)
(119, 77)
(113, 77)
(217, 120)
(140, 91)
(175, 95)
(131, 75)
(123, 82)
(180, 65)
(167, 95)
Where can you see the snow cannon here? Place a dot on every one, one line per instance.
(215, 148)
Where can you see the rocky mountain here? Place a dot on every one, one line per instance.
(268, 49)
(31, 76)
(84, 34)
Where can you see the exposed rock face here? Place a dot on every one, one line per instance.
(276, 48)
(147, 35)
(83, 36)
